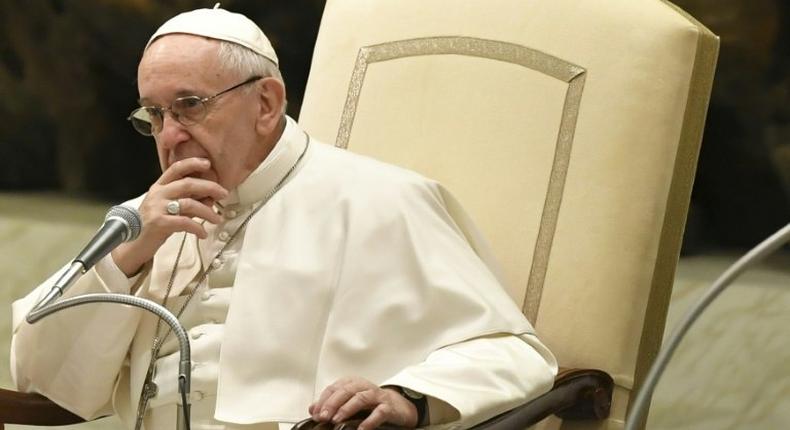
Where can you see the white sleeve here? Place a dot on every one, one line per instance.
(73, 357)
(471, 381)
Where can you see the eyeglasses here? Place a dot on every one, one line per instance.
(148, 120)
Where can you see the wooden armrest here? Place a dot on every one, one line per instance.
(578, 394)
(33, 409)
(350, 424)
(593, 389)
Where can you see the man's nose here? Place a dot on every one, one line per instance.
(173, 132)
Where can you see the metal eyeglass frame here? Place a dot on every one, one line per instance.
(160, 111)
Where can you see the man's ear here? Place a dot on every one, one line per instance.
(271, 98)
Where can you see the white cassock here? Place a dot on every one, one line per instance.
(354, 267)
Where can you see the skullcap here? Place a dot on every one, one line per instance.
(219, 24)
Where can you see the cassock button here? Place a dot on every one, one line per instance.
(230, 214)
(196, 335)
(224, 236)
(216, 264)
(196, 396)
(206, 296)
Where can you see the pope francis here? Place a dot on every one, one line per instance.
(312, 282)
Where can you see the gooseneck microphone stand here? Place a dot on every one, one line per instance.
(765, 248)
(184, 365)
(121, 224)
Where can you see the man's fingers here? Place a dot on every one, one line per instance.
(338, 398)
(359, 401)
(315, 408)
(191, 208)
(183, 168)
(182, 223)
(195, 197)
(195, 188)
(344, 385)
(207, 201)
(156, 215)
(383, 413)
(347, 397)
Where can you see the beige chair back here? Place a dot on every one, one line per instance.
(569, 130)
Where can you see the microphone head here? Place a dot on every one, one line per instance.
(130, 217)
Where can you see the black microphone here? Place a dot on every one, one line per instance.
(122, 224)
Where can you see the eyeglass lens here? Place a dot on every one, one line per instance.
(186, 110)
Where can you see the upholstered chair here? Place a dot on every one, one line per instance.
(568, 130)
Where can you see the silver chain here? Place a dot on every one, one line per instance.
(149, 387)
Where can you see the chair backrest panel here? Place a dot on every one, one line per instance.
(567, 129)
(481, 175)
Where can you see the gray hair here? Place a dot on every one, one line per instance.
(247, 63)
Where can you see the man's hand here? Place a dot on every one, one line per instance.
(195, 196)
(347, 396)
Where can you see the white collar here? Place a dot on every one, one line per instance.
(273, 168)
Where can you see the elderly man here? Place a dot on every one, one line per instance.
(312, 281)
